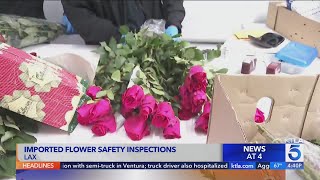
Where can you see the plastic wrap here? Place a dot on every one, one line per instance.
(311, 151)
(21, 32)
(156, 26)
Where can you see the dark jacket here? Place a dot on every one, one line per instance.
(30, 8)
(99, 20)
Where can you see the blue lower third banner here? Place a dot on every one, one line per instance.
(144, 165)
(254, 152)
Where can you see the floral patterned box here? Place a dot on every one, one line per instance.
(39, 90)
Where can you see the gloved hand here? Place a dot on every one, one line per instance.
(172, 31)
(68, 25)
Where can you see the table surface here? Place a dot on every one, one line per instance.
(233, 51)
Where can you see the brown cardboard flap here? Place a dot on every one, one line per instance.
(223, 126)
(272, 15)
(291, 95)
(297, 28)
(311, 129)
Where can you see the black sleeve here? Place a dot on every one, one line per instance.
(91, 28)
(175, 12)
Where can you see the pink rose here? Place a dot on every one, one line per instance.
(185, 100)
(198, 79)
(85, 116)
(163, 115)
(102, 108)
(173, 130)
(259, 117)
(185, 114)
(198, 99)
(202, 123)
(126, 112)
(90, 113)
(136, 128)
(207, 108)
(148, 106)
(132, 97)
(203, 120)
(92, 91)
(104, 125)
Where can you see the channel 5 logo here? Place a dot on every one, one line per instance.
(294, 152)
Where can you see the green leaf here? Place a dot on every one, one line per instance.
(8, 164)
(195, 63)
(145, 89)
(124, 29)
(101, 50)
(121, 52)
(128, 67)
(20, 138)
(130, 40)
(8, 122)
(101, 94)
(222, 71)
(189, 54)
(212, 54)
(149, 60)
(198, 55)
(180, 60)
(7, 135)
(120, 61)
(156, 91)
(209, 74)
(113, 44)
(108, 49)
(141, 75)
(110, 94)
(170, 80)
(116, 76)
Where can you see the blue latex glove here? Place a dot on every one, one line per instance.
(172, 31)
(67, 24)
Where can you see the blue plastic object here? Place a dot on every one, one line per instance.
(68, 25)
(297, 54)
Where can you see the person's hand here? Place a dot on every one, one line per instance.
(172, 31)
(68, 25)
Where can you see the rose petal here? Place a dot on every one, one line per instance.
(132, 97)
(195, 69)
(102, 108)
(126, 112)
(202, 123)
(136, 128)
(172, 131)
(148, 105)
(85, 116)
(92, 91)
(198, 100)
(185, 114)
(259, 117)
(163, 115)
(207, 107)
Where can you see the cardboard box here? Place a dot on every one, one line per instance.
(296, 107)
(293, 26)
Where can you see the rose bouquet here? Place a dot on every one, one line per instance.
(170, 81)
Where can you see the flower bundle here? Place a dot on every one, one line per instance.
(166, 70)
